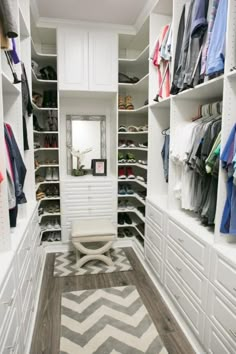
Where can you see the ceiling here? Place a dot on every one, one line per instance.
(122, 12)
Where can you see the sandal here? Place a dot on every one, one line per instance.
(121, 102)
(128, 103)
(122, 128)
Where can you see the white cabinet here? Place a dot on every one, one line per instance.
(87, 60)
(154, 261)
(215, 341)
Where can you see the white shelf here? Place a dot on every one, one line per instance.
(135, 211)
(42, 58)
(45, 132)
(126, 180)
(48, 198)
(140, 59)
(8, 87)
(141, 85)
(50, 230)
(133, 148)
(133, 133)
(135, 195)
(48, 214)
(133, 164)
(139, 232)
(45, 182)
(46, 149)
(165, 103)
(37, 81)
(142, 109)
(47, 243)
(35, 107)
(45, 166)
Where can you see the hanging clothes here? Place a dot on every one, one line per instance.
(27, 108)
(165, 154)
(228, 158)
(216, 51)
(8, 17)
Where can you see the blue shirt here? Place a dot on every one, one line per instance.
(216, 52)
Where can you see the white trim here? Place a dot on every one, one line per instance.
(144, 14)
(35, 10)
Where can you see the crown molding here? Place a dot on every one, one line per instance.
(56, 22)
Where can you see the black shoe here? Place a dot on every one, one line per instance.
(142, 210)
(127, 219)
(128, 233)
(36, 124)
(121, 219)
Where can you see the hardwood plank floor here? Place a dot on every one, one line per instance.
(47, 327)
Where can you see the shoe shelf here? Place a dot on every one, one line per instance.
(8, 87)
(48, 214)
(37, 81)
(49, 198)
(141, 85)
(45, 166)
(143, 184)
(133, 148)
(135, 211)
(43, 231)
(42, 58)
(35, 107)
(142, 58)
(135, 195)
(133, 164)
(165, 103)
(45, 132)
(45, 182)
(46, 149)
(127, 225)
(133, 133)
(139, 232)
(142, 109)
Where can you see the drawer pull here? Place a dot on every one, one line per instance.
(27, 249)
(178, 269)
(180, 240)
(10, 302)
(177, 297)
(232, 332)
(234, 289)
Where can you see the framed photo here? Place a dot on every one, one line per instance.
(99, 167)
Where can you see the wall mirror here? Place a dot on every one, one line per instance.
(86, 140)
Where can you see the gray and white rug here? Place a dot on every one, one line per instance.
(64, 264)
(107, 321)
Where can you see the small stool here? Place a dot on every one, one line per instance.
(93, 231)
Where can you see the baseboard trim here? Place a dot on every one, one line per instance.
(197, 347)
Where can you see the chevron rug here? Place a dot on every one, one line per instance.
(107, 321)
(64, 264)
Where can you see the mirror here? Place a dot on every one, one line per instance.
(86, 140)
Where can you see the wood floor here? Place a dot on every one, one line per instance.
(47, 328)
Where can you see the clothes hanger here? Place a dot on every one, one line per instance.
(166, 131)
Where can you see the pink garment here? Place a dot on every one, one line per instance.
(1, 177)
(162, 66)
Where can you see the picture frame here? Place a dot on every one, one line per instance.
(99, 167)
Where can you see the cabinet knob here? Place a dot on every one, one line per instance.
(180, 240)
(177, 297)
(233, 333)
(178, 269)
(10, 302)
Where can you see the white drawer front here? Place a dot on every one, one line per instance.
(196, 283)
(27, 318)
(223, 275)
(191, 312)
(9, 342)
(34, 225)
(7, 296)
(154, 261)
(214, 340)
(26, 285)
(197, 251)
(156, 216)
(223, 314)
(154, 238)
(23, 253)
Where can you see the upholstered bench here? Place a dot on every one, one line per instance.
(100, 233)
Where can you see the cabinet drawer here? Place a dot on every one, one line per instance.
(223, 275)
(196, 251)
(154, 261)
(23, 253)
(154, 238)
(25, 285)
(188, 308)
(11, 334)
(156, 216)
(34, 224)
(223, 314)
(214, 340)
(191, 278)
(7, 296)
(27, 318)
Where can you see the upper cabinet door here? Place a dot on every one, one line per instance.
(72, 59)
(103, 61)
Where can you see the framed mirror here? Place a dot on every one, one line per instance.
(86, 140)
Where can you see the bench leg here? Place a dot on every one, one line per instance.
(93, 254)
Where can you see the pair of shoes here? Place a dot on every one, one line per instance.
(36, 124)
(39, 179)
(50, 99)
(50, 162)
(125, 233)
(37, 99)
(50, 141)
(141, 179)
(129, 173)
(52, 236)
(40, 195)
(52, 124)
(142, 162)
(124, 218)
(52, 174)
(125, 103)
(52, 192)
(129, 157)
(125, 79)
(124, 189)
(48, 73)
(143, 145)
(125, 204)
(126, 144)
(53, 224)
(52, 208)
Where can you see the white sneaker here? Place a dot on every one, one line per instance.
(57, 225)
(48, 176)
(55, 174)
(48, 225)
